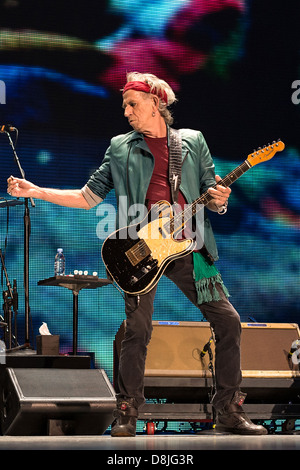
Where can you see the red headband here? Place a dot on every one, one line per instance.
(142, 86)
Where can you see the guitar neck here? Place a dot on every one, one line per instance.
(205, 198)
(180, 220)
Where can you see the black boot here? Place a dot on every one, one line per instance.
(232, 418)
(125, 416)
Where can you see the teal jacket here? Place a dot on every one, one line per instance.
(128, 165)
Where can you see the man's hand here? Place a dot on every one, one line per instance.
(18, 187)
(220, 195)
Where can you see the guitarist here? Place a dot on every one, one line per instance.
(137, 165)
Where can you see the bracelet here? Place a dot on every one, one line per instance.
(223, 209)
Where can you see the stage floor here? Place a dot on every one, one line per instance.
(171, 444)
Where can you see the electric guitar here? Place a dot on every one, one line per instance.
(137, 256)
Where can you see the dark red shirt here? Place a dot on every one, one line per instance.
(159, 187)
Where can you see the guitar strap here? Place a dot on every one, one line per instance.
(175, 162)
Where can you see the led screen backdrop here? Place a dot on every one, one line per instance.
(234, 65)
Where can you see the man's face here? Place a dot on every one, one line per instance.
(138, 108)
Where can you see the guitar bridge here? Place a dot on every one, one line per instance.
(138, 252)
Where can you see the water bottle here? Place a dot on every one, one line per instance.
(59, 263)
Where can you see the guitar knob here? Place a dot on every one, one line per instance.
(133, 280)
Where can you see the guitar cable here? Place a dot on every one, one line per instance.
(138, 298)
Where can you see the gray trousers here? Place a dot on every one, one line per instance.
(223, 319)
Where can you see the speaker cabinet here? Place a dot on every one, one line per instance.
(175, 370)
(265, 350)
(175, 349)
(55, 401)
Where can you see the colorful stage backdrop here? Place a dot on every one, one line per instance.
(234, 65)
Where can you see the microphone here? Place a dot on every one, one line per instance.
(7, 128)
(295, 345)
(206, 348)
(10, 203)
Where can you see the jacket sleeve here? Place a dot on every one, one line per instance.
(101, 182)
(207, 167)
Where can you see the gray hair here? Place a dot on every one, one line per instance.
(160, 86)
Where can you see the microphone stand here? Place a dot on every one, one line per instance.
(27, 226)
(207, 348)
(10, 304)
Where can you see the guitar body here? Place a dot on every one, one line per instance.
(137, 256)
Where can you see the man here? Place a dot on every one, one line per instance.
(137, 166)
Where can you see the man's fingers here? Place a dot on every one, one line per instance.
(13, 184)
(221, 188)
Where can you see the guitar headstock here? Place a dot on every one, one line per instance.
(266, 153)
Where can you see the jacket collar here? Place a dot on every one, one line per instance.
(141, 143)
(137, 136)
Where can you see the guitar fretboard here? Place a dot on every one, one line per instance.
(179, 220)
